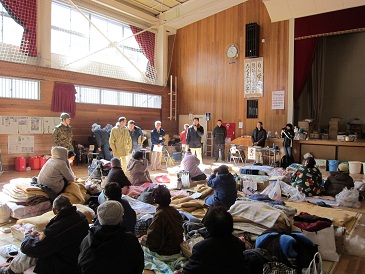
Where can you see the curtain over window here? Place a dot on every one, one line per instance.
(63, 99)
(24, 12)
(146, 41)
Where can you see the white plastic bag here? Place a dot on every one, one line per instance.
(314, 267)
(273, 191)
(348, 197)
(293, 193)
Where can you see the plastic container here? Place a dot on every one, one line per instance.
(34, 163)
(42, 161)
(354, 167)
(20, 164)
(333, 165)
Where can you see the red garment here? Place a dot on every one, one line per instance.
(183, 137)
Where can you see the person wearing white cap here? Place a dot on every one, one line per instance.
(102, 140)
(338, 180)
(62, 133)
(108, 248)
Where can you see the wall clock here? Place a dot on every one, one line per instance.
(232, 51)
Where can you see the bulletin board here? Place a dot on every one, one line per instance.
(27, 125)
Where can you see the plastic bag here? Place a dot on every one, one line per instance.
(348, 197)
(273, 191)
(315, 267)
(293, 193)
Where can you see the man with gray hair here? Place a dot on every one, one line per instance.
(120, 141)
(56, 248)
(109, 248)
(157, 142)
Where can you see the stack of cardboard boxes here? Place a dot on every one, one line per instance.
(333, 128)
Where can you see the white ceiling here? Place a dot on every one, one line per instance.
(175, 14)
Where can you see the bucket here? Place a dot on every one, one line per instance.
(355, 167)
(333, 165)
(20, 164)
(185, 179)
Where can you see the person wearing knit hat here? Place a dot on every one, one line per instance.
(110, 213)
(102, 141)
(116, 174)
(337, 180)
(165, 234)
(108, 248)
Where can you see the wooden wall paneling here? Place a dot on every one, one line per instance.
(86, 114)
(319, 151)
(346, 153)
(208, 83)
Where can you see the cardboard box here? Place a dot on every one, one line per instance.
(335, 119)
(321, 164)
(306, 126)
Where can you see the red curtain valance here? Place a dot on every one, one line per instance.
(63, 99)
(341, 20)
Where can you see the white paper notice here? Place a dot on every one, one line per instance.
(157, 148)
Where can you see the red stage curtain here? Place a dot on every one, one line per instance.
(63, 99)
(25, 14)
(146, 42)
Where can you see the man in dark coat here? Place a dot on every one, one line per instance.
(108, 248)
(102, 141)
(220, 252)
(219, 136)
(56, 248)
(194, 139)
(258, 136)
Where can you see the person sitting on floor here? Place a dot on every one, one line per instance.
(109, 248)
(113, 192)
(56, 248)
(138, 169)
(56, 173)
(338, 180)
(191, 163)
(308, 178)
(224, 185)
(116, 174)
(220, 246)
(165, 233)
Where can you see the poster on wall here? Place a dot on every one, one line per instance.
(49, 124)
(254, 77)
(8, 125)
(18, 144)
(278, 99)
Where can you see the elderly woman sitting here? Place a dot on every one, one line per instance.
(338, 180)
(138, 169)
(308, 178)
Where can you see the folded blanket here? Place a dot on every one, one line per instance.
(195, 207)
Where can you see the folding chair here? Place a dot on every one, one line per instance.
(235, 155)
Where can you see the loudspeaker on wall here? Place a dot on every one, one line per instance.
(252, 40)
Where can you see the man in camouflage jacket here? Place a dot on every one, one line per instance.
(62, 133)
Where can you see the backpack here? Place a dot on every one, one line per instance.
(291, 248)
(259, 261)
(254, 260)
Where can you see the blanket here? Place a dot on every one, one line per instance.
(195, 207)
(76, 192)
(258, 213)
(163, 264)
(339, 217)
(41, 221)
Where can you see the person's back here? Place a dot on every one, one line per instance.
(308, 178)
(138, 169)
(337, 180)
(221, 252)
(108, 248)
(165, 233)
(116, 174)
(58, 250)
(191, 163)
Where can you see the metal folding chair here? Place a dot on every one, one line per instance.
(235, 154)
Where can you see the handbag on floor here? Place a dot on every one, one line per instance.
(315, 267)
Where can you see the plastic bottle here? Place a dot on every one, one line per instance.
(276, 134)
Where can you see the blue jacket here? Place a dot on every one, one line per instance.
(194, 137)
(157, 137)
(225, 189)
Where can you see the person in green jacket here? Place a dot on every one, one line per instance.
(120, 141)
(62, 133)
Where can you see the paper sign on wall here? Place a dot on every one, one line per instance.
(251, 154)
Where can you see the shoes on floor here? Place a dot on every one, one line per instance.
(215, 160)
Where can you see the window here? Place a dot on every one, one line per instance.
(114, 97)
(11, 32)
(19, 88)
(252, 108)
(78, 44)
